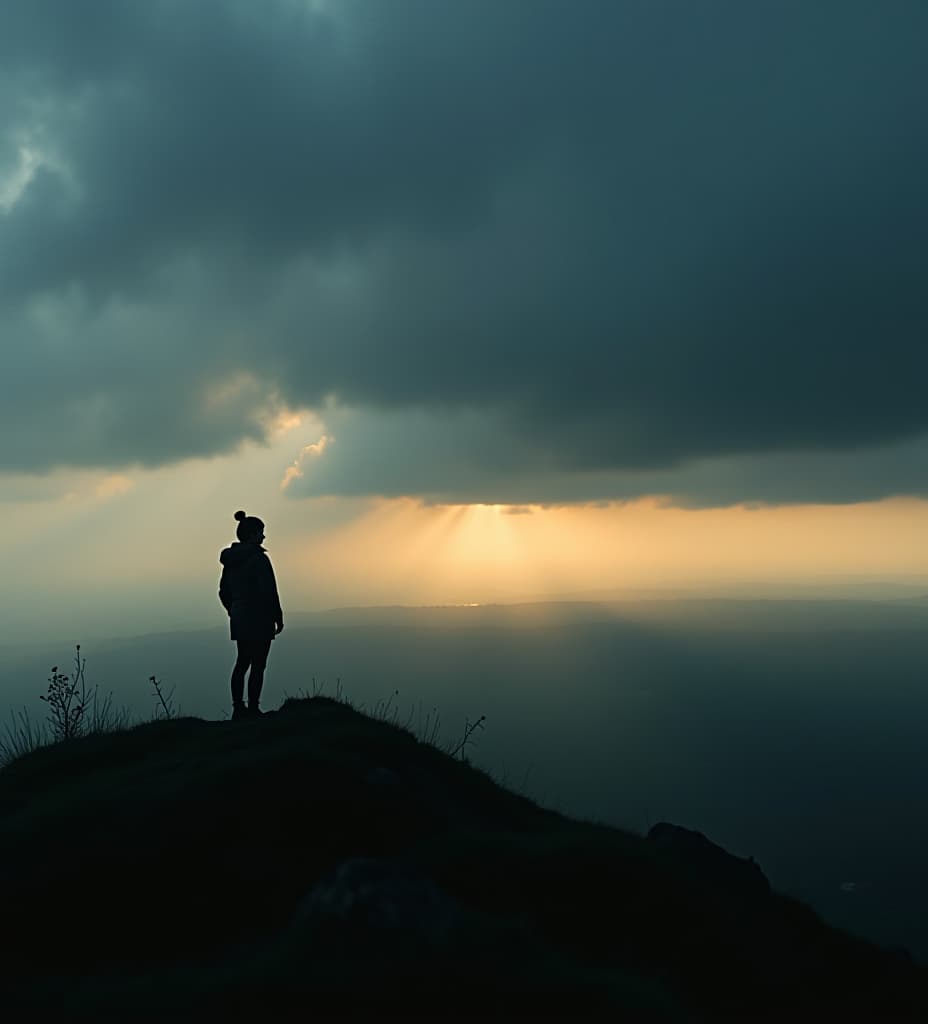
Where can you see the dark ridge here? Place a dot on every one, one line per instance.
(321, 860)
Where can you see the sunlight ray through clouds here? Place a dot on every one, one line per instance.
(14, 184)
(310, 451)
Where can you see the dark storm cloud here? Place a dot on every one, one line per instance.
(606, 241)
(470, 457)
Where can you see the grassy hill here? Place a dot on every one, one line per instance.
(319, 859)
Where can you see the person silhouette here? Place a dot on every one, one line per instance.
(248, 592)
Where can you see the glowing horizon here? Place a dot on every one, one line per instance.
(142, 545)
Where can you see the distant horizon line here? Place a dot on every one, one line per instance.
(857, 590)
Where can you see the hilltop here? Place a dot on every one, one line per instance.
(322, 859)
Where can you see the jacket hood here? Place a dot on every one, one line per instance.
(239, 554)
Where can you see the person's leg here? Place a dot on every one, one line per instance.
(259, 653)
(238, 673)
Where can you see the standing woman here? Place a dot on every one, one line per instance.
(248, 592)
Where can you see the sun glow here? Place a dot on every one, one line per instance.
(403, 551)
(114, 485)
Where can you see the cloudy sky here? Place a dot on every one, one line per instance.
(468, 300)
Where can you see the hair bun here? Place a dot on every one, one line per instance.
(240, 516)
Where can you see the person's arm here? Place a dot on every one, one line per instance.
(224, 596)
(271, 597)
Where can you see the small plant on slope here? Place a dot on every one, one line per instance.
(68, 700)
(164, 709)
(469, 729)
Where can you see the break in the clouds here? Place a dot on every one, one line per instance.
(507, 251)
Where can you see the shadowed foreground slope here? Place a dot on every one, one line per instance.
(319, 858)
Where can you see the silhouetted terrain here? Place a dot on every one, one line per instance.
(320, 859)
(793, 731)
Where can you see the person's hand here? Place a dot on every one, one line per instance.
(278, 628)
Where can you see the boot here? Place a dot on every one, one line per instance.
(255, 712)
(239, 711)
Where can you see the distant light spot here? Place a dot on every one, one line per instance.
(286, 422)
(114, 486)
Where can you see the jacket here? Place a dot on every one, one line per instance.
(248, 592)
